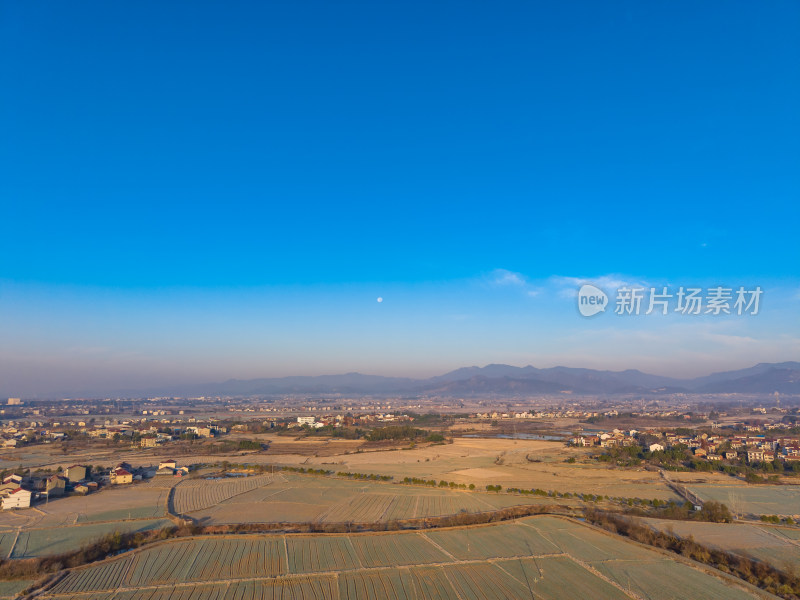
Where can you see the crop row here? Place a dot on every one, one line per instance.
(197, 494)
(501, 564)
(320, 554)
(548, 581)
(363, 508)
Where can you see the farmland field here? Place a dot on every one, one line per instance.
(67, 523)
(315, 554)
(41, 542)
(666, 579)
(197, 494)
(296, 498)
(754, 499)
(138, 501)
(6, 542)
(546, 558)
(778, 546)
(510, 463)
(9, 589)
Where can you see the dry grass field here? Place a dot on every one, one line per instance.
(482, 461)
(545, 558)
(510, 463)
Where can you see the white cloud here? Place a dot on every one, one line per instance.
(506, 277)
(567, 287)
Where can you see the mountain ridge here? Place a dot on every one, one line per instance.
(499, 379)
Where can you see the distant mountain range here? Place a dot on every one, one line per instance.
(507, 380)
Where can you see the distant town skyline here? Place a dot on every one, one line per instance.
(202, 192)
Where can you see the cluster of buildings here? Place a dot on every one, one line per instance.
(580, 414)
(348, 420)
(148, 433)
(754, 448)
(14, 433)
(18, 491)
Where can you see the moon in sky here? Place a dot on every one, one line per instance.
(380, 299)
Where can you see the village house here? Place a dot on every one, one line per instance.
(120, 476)
(76, 473)
(17, 498)
(13, 478)
(5, 488)
(55, 485)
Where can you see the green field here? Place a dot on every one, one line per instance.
(541, 557)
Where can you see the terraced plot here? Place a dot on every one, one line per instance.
(538, 557)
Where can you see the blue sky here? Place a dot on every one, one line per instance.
(208, 190)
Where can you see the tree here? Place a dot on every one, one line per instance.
(715, 512)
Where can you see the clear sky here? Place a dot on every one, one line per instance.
(197, 191)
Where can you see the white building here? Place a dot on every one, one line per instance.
(18, 498)
(306, 420)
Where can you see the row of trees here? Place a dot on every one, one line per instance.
(402, 432)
